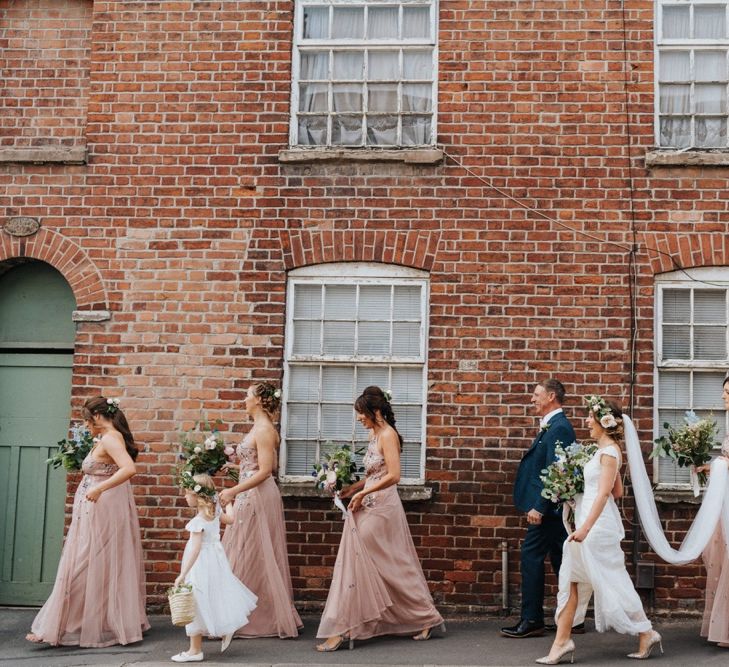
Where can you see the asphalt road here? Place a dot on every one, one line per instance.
(467, 642)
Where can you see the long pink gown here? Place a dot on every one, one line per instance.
(716, 610)
(378, 586)
(255, 545)
(98, 598)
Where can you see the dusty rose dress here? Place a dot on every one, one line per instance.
(98, 598)
(716, 610)
(256, 548)
(378, 586)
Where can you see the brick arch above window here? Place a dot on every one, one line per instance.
(416, 249)
(65, 255)
(689, 250)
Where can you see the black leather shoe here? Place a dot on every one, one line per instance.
(523, 629)
(576, 629)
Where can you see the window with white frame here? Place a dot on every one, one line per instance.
(364, 73)
(692, 53)
(349, 326)
(692, 355)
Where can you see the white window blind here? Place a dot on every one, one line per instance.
(364, 73)
(692, 356)
(344, 333)
(692, 52)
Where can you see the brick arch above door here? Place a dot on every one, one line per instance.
(67, 257)
(413, 248)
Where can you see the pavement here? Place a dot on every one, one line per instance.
(472, 641)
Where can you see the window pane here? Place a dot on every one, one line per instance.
(383, 65)
(348, 97)
(382, 23)
(417, 65)
(406, 339)
(373, 338)
(416, 97)
(313, 97)
(410, 459)
(372, 375)
(304, 383)
(407, 302)
(676, 305)
(670, 473)
(302, 421)
(709, 342)
(709, 65)
(709, 22)
(340, 302)
(314, 66)
(348, 66)
(348, 22)
(307, 301)
(673, 388)
(316, 22)
(409, 421)
(382, 130)
(676, 342)
(300, 455)
(676, 22)
(675, 66)
(675, 132)
(307, 337)
(313, 130)
(710, 132)
(337, 383)
(347, 130)
(338, 338)
(374, 302)
(707, 391)
(710, 98)
(416, 130)
(710, 306)
(337, 422)
(675, 99)
(407, 385)
(382, 97)
(416, 22)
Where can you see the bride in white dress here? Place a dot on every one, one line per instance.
(593, 562)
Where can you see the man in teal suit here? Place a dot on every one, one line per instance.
(546, 533)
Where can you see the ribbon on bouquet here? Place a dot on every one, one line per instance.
(694, 477)
(340, 505)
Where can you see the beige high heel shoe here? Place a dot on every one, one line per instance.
(569, 647)
(644, 655)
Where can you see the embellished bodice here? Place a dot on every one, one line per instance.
(725, 447)
(374, 463)
(91, 466)
(247, 454)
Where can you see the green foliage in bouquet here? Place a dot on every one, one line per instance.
(689, 445)
(337, 468)
(564, 478)
(72, 451)
(202, 450)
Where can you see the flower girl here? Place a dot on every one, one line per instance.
(222, 602)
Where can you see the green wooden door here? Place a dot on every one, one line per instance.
(36, 356)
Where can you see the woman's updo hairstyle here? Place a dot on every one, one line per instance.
(373, 399)
(270, 397)
(109, 409)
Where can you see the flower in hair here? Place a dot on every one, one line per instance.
(602, 411)
(277, 393)
(608, 421)
(388, 395)
(112, 405)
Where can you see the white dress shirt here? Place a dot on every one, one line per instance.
(545, 420)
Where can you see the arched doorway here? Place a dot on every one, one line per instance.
(36, 356)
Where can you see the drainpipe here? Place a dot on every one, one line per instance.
(505, 575)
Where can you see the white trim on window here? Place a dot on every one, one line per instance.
(357, 275)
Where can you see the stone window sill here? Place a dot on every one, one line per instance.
(408, 493)
(676, 158)
(672, 496)
(43, 155)
(299, 155)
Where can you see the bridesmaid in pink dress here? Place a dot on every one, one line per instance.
(378, 586)
(98, 598)
(715, 626)
(255, 542)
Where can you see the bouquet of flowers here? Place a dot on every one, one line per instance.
(564, 478)
(336, 469)
(72, 451)
(689, 446)
(203, 449)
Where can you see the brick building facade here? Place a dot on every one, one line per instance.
(191, 217)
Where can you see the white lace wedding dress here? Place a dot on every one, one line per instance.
(598, 563)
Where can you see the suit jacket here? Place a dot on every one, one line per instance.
(528, 486)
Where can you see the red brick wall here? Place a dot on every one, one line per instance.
(44, 64)
(191, 222)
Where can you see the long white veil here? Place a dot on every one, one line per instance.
(714, 505)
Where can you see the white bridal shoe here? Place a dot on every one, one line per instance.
(569, 647)
(226, 642)
(644, 655)
(186, 657)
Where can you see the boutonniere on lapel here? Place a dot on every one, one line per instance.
(544, 428)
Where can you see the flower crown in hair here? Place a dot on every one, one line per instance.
(601, 410)
(186, 481)
(112, 405)
(270, 392)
